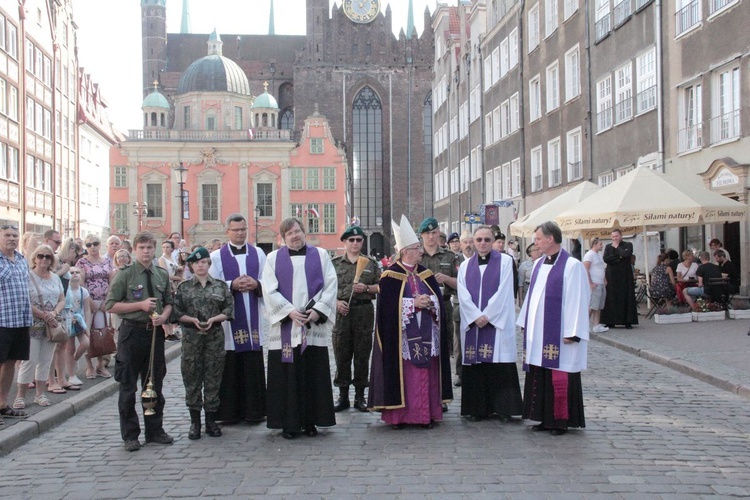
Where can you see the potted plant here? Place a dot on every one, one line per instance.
(673, 314)
(739, 309)
(704, 310)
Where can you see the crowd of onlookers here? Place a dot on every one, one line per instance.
(68, 282)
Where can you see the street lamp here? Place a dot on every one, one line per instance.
(140, 210)
(257, 214)
(181, 180)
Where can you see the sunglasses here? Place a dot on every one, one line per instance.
(8, 226)
(485, 240)
(93, 244)
(41, 256)
(355, 240)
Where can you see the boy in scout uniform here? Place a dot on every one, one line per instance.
(352, 334)
(141, 295)
(201, 304)
(442, 262)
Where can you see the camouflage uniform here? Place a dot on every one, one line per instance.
(352, 335)
(202, 352)
(444, 261)
(457, 327)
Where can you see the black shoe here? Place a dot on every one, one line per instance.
(131, 445)
(538, 428)
(504, 418)
(341, 405)
(558, 432)
(628, 327)
(458, 383)
(311, 431)
(398, 427)
(212, 429)
(160, 438)
(473, 418)
(445, 407)
(431, 425)
(360, 404)
(288, 434)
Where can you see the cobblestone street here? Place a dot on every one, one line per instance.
(652, 432)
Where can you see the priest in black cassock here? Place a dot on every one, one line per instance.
(620, 307)
(243, 385)
(299, 289)
(410, 376)
(488, 333)
(555, 319)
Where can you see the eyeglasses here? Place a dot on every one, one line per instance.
(485, 240)
(92, 244)
(355, 240)
(8, 226)
(41, 256)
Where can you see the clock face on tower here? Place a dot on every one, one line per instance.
(361, 11)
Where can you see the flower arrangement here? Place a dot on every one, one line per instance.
(702, 305)
(674, 309)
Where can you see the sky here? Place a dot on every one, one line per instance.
(109, 38)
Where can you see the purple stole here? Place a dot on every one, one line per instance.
(479, 344)
(553, 294)
(245, 339)
(418, 336)
(285, 276)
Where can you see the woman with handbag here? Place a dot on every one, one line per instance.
(47, 302)
(96, 275)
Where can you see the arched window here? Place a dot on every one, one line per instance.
(427, 143)
(287, 119)
(367, 157)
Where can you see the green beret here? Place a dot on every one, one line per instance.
(352, 231)
(429, 224)
(199, 253)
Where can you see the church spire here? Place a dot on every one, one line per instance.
(410, 20)
(271, 26)
(185, 24)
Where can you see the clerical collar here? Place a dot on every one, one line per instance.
(408, 267)
(301, 251)
(550, 260)
(483, 260)
(237, 250)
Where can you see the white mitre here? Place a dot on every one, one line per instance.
(404, 233)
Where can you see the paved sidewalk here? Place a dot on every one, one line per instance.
(715, 352)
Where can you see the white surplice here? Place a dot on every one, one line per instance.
(575, 316)
(217, 271)
(278, 308)
(500, 309)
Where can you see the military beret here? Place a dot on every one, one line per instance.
(352, 231)
(453, 236)
(429, 224)
(199, 253)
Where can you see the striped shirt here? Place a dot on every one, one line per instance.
(15, 311)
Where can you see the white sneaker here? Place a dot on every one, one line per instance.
(602, 328)
(74, 380)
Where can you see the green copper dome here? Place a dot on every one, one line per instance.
(155, 100)
(265, 100)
